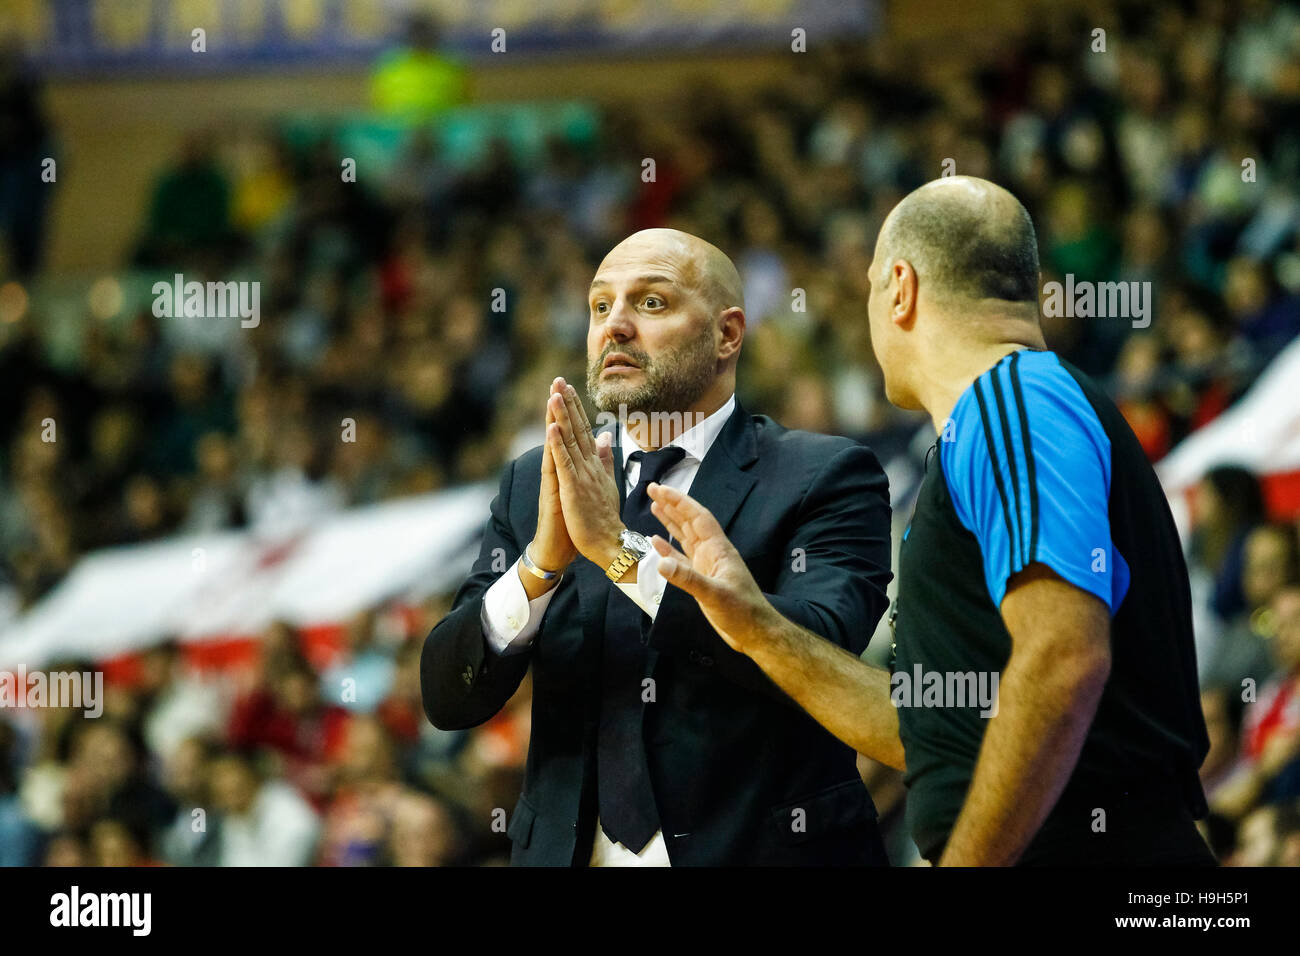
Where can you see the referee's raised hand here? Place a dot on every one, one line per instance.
(711, 570)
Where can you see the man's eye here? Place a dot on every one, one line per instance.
(653, 302)
(600, 307)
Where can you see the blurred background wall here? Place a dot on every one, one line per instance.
(120, 125)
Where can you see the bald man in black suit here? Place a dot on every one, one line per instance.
(652, 741)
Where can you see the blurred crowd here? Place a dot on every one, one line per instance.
(433, 305)
(292, 760)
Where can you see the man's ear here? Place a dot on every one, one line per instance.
(902, 304)
(731, 323)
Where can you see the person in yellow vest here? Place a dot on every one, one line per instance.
(415, 80)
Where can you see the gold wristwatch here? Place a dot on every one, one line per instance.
(635, 547)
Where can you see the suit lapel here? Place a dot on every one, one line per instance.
(724, 478)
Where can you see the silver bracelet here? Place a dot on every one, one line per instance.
(534, 569)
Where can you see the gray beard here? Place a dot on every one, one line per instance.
(674, 381)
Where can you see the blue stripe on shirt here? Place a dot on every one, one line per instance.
(1028, 469)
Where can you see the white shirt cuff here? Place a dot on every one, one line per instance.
(510, 620)
(648, 588)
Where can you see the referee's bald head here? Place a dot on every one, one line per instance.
(968, 240)
(955, 275)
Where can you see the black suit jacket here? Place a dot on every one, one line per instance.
(741, 774)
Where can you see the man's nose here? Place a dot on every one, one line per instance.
(620, 324)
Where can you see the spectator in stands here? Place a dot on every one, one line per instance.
(25, 148)
(1266, 316)
(292, 720)
(1269, 836)
(189, 214)
(177, 703)
(363, 674)
(423, 832)
(366, 793)
(1269, 767)
(190, 838)
(66, 849)
(217, 501)
(1270, 559)
(262, 822)
(108, 778)
(112, 843)
(416, 81)
(1222, 707)
(196, 405)
(1228, 505)
(18, 837)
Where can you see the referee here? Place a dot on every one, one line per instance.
(1041, 562)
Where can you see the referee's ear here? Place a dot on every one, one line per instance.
(905, 289)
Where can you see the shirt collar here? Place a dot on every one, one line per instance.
(696, 440)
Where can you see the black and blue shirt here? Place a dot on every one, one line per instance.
(1036, 465)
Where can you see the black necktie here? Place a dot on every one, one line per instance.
(626, 800)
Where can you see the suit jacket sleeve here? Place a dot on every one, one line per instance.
(834, 571)
(461, 681)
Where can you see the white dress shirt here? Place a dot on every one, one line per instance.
(511, 621)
